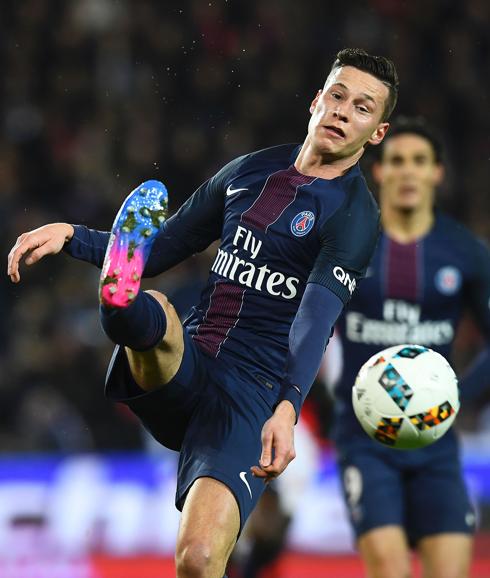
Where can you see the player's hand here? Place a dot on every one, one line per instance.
(34, 245)
(277, 443)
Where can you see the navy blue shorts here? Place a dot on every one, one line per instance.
(421, 490)
(211, 412)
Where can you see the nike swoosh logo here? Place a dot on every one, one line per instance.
(245, 481)
(230, 191)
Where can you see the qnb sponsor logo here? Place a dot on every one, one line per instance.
(344, 278)
(262, 278)
(361, 329)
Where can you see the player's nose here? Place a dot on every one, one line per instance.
(340, 113)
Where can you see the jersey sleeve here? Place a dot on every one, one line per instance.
(475, 380)
(308, 339)
(192, 229)
(348, 240)
(88, 245)
(478, 289)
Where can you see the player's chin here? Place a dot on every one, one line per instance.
(326, 147)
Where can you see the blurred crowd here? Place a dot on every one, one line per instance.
(99, 95)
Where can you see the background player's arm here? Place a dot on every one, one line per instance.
(476, 379)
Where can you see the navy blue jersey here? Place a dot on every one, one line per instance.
(279, 230)
(413, 293)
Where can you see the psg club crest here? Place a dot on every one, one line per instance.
(448, 280)
(302, 223)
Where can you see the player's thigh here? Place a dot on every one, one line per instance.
(446, 555)
(209, 527)
(373, 489)
(437, 499)
(385, 552)
(156, 367)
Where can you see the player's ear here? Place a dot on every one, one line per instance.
(315, 101)
(439, 174)
(379, 133)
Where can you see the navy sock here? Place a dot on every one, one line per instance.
(140, 326)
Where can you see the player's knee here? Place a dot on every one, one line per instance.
(385, 553)
(384, 563)
(195, 559)
(172, 340)
(173, 321)
(389, 567)
(160, 297)
(444, 570)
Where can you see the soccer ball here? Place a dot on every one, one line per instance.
(406, 396)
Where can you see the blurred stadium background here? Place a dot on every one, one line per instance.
(99, 95)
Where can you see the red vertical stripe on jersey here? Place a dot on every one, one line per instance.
(222, 315)
(279, 191)
(402, 271)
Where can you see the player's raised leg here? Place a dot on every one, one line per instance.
(446, 555)
(208, 530)
(143, 321)
(385, 552)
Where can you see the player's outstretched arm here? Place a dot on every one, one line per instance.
(34, 245)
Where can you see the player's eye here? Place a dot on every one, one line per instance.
(336, 95)
(362, 109)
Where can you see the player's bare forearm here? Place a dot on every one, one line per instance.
(36, 244)
(277, 442)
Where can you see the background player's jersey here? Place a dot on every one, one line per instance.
(279, 229)
(413, 293)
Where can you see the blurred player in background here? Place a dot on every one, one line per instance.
(298, 227)
(426, 271)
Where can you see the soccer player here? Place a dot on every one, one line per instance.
(298, 227)
(426, 270)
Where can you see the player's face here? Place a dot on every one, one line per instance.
(347, 113)
(408, 173)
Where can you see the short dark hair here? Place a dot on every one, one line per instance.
(418, 125)
(378, 66)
